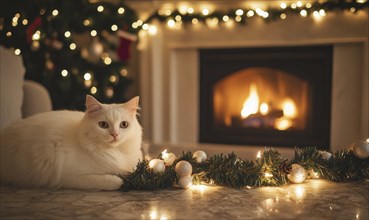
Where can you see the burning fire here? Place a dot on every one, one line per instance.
(251, 106)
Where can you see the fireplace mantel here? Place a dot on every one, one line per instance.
(169, 72)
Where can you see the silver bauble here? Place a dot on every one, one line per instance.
(183, 168)
(360, 149)
(298, 174)
(199, 156)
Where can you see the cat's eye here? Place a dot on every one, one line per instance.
(123, 124)
(103, 124)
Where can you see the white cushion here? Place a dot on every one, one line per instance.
(11, 87)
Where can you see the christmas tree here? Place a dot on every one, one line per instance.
(73, 48)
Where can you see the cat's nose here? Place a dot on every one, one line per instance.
(114, 135)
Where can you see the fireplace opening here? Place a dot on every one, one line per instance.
(276, 96)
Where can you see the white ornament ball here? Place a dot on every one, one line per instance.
(360, 149)
(157, 165)
(199, 156)
(183, 168)
(185, 181)
(325, 155)
(169, 158)
(298, 174)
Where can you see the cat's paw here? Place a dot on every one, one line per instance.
(113, 183)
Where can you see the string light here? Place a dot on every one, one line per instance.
(299, 4)
(86, 22)
(250, 13)
(195, 21)
(123, 72)
(152, 30)
(225, 18)
(134, 25)
(239, 12)
(17, 52)
(145, 27)
(283, 5)
(93, 33)
(190, 10)
(109, 92)
(64, 73)
(293, 5)
(114, 27)
(283, 16)
(205, 11)
(107, 60)
(8, 34)
(322, 12)
(55, 12)
(100, 8)
(167, 12)
(121, 10)
(353, 9)
(87, 76)
(113, 78)
(93, 90)
(308, 5)
(67, 34)
(72, 46)
(303, 13)
(139, 22)
(25, 22)
(171, 23)
(178, 18)
(238, 18)
(36, 35)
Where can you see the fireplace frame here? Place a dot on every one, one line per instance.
(311, 63)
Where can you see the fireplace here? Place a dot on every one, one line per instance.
(278, 96)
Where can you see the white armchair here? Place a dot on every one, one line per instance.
(19, 98)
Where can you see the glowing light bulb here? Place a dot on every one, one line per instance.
(72, 46)
(268, 175)
(205, 11)
(25, 22)
(107, 60)
(55, 12)
(36, 36)
(283, 5)
(299, 4)
(134, 25)
(121, 10)
(139, 22)
(8, 34)
(114, 27)
(86, 22)
(153, 30)
(17, 52)
(93, 90)
(93, 33)
(238, 18)
(264, 109)
(293, 5)
(123, 72)
(64, 73)
(195, 21)
(250, 13)
(225, 18)
(100, 8)
(239, 12)
(113, 78)
(367, 140)
(67, 34)
(322, 12)
(87, 76)
(308, 5)
(171, 23)
(283, 16)
(303, 13)
(258, 156)
(178, 18)
(190, 11)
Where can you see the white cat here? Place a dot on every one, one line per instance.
(70, 149)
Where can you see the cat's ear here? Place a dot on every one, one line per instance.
(132, 105)
(93, 107)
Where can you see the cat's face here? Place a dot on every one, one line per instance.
(109, 125)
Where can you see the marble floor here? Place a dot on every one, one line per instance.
(314, 199)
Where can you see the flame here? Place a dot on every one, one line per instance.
(289, 108)
(264, 108)
(283, 123)
(251, 105)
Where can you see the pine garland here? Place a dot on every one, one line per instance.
(232, 171)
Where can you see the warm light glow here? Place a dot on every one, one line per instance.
(303, 13)
(107, 60)
(258, 156)
(153, 215)
(123, 72)
(72, 46)
(283, 16)
(238, 18)
(293, 5)
(251, 105)
(93, 90)
(283, 5)
(139, 22)
(67, 34)
(367, 140)
(225, 18)
(121, 10)
(153, 30)
(134, 25)
(299, 4)
(114, 27)
(239, 12)
(93, 33)
(64, 73)
(205, 11)
(36, 35)
(300, 192)
(171, 23)
(100, 8)
(25, 22)
(17, 52)
(212, 22)
(250, 13)
(183, 9)
(322, 12)
(190, 10)
(283, 123)
(113, 78)
(87, 76)
(8, 34)
(109, 92)
(264, 108)
(308, 5)
(361, 1)
(289, 108)
(178, 18)
(55, 12)
(195, 21)
(268, 175)
(86, 22)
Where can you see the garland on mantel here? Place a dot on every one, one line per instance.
(188, 15)
(269, 169)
